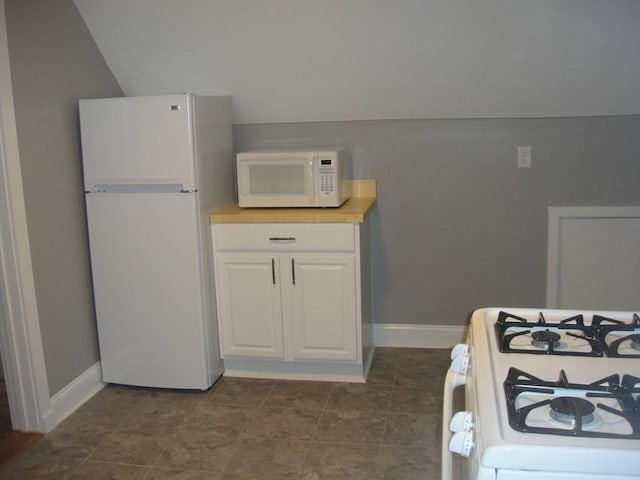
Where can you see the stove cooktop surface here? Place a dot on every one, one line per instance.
(567, 398)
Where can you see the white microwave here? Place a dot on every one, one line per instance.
(293, 178)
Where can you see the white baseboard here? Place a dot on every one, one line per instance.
(417, 336)
(74, 395)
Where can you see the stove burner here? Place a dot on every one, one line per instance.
(545, 339)
(621, 404)
(635, 342)
(570, 409)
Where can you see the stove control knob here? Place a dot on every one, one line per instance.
(459, 349)
(461, 422)
(461, 364)
(462, 443)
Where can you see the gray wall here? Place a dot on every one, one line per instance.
(54, 61)
(457, 226)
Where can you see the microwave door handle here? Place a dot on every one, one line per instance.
(312, 177)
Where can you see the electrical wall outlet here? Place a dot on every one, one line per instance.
(524, 157)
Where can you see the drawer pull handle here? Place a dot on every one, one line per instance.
(282, 239)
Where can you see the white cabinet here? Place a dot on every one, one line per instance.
(249, 305)
(322, 298)
(290, 299)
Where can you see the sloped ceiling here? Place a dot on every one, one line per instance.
(306, 60)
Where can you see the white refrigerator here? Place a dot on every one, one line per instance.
(154, 168)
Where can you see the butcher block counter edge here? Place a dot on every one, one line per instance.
(354, 210)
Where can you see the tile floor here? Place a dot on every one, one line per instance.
(388, 428)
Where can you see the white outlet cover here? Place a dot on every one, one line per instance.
(524, 157)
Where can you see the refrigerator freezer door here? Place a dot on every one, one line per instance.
(147, 274)
(138, 140)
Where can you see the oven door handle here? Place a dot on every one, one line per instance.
(452, 380)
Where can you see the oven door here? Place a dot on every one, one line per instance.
(539, 475)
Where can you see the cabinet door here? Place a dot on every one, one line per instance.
(322, 292)
(249, 305)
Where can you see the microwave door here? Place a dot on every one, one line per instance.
(272, 182)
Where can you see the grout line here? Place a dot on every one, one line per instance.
(322, 411)
(243, 434)
(313, 434)
(386, 419)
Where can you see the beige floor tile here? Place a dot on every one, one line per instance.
(387, 353)
(426, 374)
(311, 395)
(416, 399)
(108, 471)
(110, 406)
(72, 440)
(412, 429)
(155, 418)
(131, 448)
(382, 372)
(186, 398)
(340, 462)
(360, 397)
(407, 463)
(43, 466)
(266, 459)
(207, 452)
(240, 391)
(177, 474)
(424, 356)
(283, 423)
(222, 419)
(350, 427)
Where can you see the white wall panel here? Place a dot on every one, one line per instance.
(594, 258)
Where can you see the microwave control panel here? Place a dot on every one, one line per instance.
(327, 174)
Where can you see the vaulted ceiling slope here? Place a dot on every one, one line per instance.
(306, 60)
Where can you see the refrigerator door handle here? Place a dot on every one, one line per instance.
(144, 188)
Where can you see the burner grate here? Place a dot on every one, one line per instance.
(507, 322)
(602, 337)
(622, 393)
(608, 327)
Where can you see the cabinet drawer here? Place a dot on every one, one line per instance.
(326, 237)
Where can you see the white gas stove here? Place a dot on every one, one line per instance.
(550, 394)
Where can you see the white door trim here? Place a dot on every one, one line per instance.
(558, 215)
(20, 340)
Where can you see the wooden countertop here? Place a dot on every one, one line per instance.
(353, 210)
